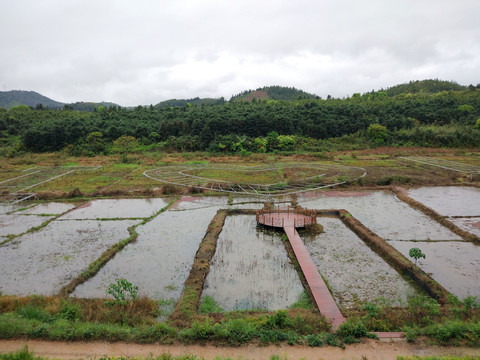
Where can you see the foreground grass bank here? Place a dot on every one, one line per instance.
(54, 318)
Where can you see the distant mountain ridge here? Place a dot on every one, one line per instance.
(273, 93)
(9, 99)
(430, 86)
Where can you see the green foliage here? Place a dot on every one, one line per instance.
(70, 312)
(352, 328)
(33, 312)
(122, 291)
(303, 301)
(377, 133)
(465, 108)
(416, 253)
(125, 145)
(423, 118)
(209, 305)
(477, 124)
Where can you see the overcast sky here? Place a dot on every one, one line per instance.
(145, 51)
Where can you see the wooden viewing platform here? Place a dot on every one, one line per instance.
(289, 220)
(290, 217)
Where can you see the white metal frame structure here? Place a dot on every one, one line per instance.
(15, 188)
(181, 175)
(444, 164)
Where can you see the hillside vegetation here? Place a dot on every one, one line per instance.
(438, 119)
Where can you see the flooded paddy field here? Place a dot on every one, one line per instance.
(118, 208)
(42, 262)
(382, 212)
(159, 261)
(460, 204)
(251, 269)
(470, 224)
(15, 224)
(353, 271)
(218, 202)
(453, 264)
(55, 208)
(449, 200)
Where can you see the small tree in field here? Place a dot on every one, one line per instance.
(416, 254)
(378, 133)
(124, 145)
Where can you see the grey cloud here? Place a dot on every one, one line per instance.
(146, 51)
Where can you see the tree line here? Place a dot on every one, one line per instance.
(446, 118)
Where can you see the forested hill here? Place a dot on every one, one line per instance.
(194, 102)
(9, 99)
(424, 86)
(445, 118)
(273, 93)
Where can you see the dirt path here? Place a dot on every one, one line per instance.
(370, 349)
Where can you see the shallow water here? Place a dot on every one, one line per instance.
(353, 271)
(48, 208)
(44, 261)
(159, 261)
(118, 208)
(17, 224)
(251, 269)
(383, 213)
(472, 225)
(453, 264)
(449, 200)
(7, 208)
(217, 202)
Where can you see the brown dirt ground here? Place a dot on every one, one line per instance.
(370, 349)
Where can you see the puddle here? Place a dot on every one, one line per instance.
(118, 208)
(455, 265)
(353, 271)
(382, 213)
(44, 261)
(449, 200)
(17, 224)
(472, 225)
(251, 269)
(159, 261)
(48, 208)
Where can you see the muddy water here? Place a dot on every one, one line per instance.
(353, 271)
(17, 224)
(7, 208)
(449, 200)
(159, 261)
(44, 261)
(118, 208)
(382, 213)
(251, 269)
(48, 208)
(219, 202)
(472, 225)
(453, 264)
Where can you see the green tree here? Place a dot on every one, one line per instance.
(377, 133)
(124, 145)
(477, 124)
(95, 142)
(416, 254)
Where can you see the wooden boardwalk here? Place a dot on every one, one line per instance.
(289, 221)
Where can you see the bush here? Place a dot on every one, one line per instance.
(352, 328)
(33, 312)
